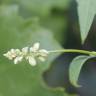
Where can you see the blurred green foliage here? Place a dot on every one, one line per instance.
(45, 10)
(19, 27)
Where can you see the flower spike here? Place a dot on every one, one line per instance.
(31, 54)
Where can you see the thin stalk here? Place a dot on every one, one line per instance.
(74, 51)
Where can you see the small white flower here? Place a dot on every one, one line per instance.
(41, 59)
(25, 50)
(18, 52)
(18, 59)
(35, 47)
(31, 60)
(10, 54)
(43, 52)
(13, 53)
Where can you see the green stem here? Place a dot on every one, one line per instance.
(74, 51)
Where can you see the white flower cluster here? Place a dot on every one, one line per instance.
(30, 54)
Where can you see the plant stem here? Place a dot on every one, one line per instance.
(74, 51)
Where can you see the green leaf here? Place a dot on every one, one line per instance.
(75, 68)
(86, 13)
(23, 79)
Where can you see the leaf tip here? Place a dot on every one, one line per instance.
(75, 84)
